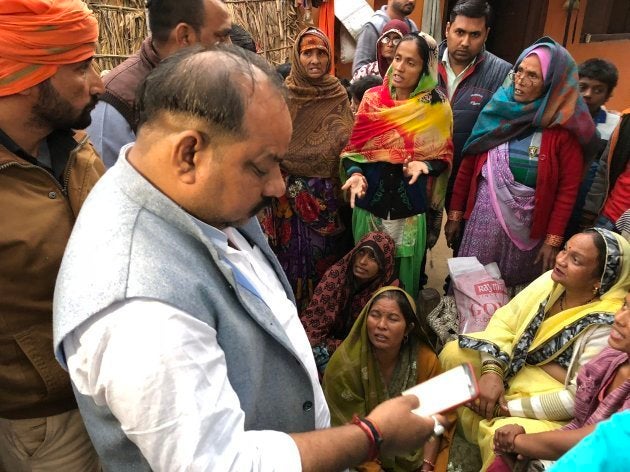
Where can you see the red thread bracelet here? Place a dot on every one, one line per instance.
(373, 448)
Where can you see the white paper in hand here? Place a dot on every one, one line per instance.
(445, 391)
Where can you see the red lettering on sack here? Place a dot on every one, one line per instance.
(488, 287)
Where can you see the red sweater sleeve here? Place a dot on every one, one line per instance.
(570, 171)
(463, 183)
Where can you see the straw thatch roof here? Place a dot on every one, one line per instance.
(122, 26)
(274, 24)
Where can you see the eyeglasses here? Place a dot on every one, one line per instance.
(387, 40)
(522, 78)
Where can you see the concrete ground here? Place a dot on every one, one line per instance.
(437, 269)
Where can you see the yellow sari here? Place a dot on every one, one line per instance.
(573, 335)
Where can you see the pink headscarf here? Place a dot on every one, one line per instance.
(544, 56)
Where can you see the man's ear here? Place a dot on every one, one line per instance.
(448, 27)
(186, 154)
(184, 35)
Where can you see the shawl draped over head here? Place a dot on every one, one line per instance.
(393, 26)
(37, 36)
(505, 336)
(321, 116)
(353, 382)
(337, 288)
(396, 131)
(561, 105)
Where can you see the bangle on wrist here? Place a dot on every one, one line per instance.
(492, 362)
(455, 215)
(373, 434)
(495, 369)
(553, 240)
(429, 463)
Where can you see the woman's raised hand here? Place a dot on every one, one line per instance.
(490, 393)
(357, 185)
(414, 169)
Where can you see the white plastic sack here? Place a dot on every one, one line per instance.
(479, 291)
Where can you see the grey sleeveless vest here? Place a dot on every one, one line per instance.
(130, 241)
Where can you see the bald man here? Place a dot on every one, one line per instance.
(172, 314)
(174, 24)
(47, 88)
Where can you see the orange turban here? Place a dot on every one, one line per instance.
(36, 36)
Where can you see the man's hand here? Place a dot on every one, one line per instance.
(357, 186)
(452, 231)
(547, 255)
(402, 430)
(504, 438)
(414, 169)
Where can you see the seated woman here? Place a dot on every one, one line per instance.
(344, 290)
(530, 352)
(393, 31)
(398, 159)
(385, 353)
(603, 389)
(522, 166)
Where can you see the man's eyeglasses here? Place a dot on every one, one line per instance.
(523, 78)
(387, 40)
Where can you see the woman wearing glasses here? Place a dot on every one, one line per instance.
(522, 167)
(393, 31)
(397, 162)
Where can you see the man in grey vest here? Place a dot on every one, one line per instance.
(172, 314)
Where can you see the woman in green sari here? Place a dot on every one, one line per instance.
(385, 353)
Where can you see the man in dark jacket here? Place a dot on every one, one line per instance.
(468, 74)
(174, 24)
(47, 89)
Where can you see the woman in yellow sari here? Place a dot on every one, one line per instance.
(385, 353)
(529, 354)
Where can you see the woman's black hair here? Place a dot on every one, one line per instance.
(424, 52)
(360, 86)
(600, 244)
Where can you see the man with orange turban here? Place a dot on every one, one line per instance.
(48, 87)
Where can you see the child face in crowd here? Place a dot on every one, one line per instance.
(594, 92)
